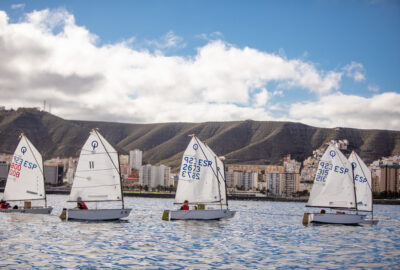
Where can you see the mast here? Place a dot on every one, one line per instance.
(115, 167)
(44, 186)
(215, 173)
(226, 189)
(41, 169)
(354, 186)
(369, 185)
(120, 182)
(219, 188)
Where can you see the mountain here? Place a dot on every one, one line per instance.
(247, 142)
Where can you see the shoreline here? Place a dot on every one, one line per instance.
(237, 197)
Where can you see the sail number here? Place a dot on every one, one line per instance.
(325, 167)
(15, 170)
(192, 166)
(17, 165)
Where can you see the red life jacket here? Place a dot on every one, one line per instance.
(185, 207)
(82, 205)
(4, 205)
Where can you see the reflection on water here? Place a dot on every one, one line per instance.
(261, 235)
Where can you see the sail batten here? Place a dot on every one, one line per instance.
(333, 184)
(199, 178)
(25, 179)
(96, 172)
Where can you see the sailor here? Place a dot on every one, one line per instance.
(185, 205)
(4, 204)
(81, 204)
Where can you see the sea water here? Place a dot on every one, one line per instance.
(262, 235)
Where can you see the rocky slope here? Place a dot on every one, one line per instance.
(251, 142)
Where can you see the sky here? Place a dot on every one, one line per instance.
(322, 63)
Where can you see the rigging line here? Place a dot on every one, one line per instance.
(363, 171)
(112, 161)
(220, 197)
(370, 188)
(28, 143)
(352, 180)
(206, 157)
(117, 169)
(219, 172)
(41, 168)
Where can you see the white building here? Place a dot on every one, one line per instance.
(70, 175)
(274, 183)
(135, 159)
(232, 179)
(247, 180)
(154, 176)
(283, 184)
(250, 180)
(123, 160)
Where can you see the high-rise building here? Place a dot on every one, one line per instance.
(154, 176)
(389, 179)
(239, 179)
(274, 183)
(291, 183)
(283, 184)
(249, 180)
(135, 159)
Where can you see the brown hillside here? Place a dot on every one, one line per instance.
(251, 142)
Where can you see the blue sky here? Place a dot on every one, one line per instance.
(322, 63)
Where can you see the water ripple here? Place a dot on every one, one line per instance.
(263, 235)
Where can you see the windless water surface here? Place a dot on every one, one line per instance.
(261, 235)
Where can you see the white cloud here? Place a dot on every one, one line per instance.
(17, 6)
(373, 88)
(211, 36)
(168, 41)
(381, 111)
(355, 70)
(261, 98)
(48, 57)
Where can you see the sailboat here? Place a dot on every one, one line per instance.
(202, 183)
(25, 181)
(363, 185)
(97, 179)
(334, 189)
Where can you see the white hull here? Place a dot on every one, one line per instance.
(97, 214)
(201, 214)
(334, 218)
(29, 210)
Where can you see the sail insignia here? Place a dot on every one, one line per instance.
(25, 179)
(97, 172)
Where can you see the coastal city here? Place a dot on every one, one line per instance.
(290, 179)
(200, 134)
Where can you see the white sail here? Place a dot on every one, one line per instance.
(198, 178)
(363, 183)
(97, 176)
(333, 184)
(220, 168)
(25, 180)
